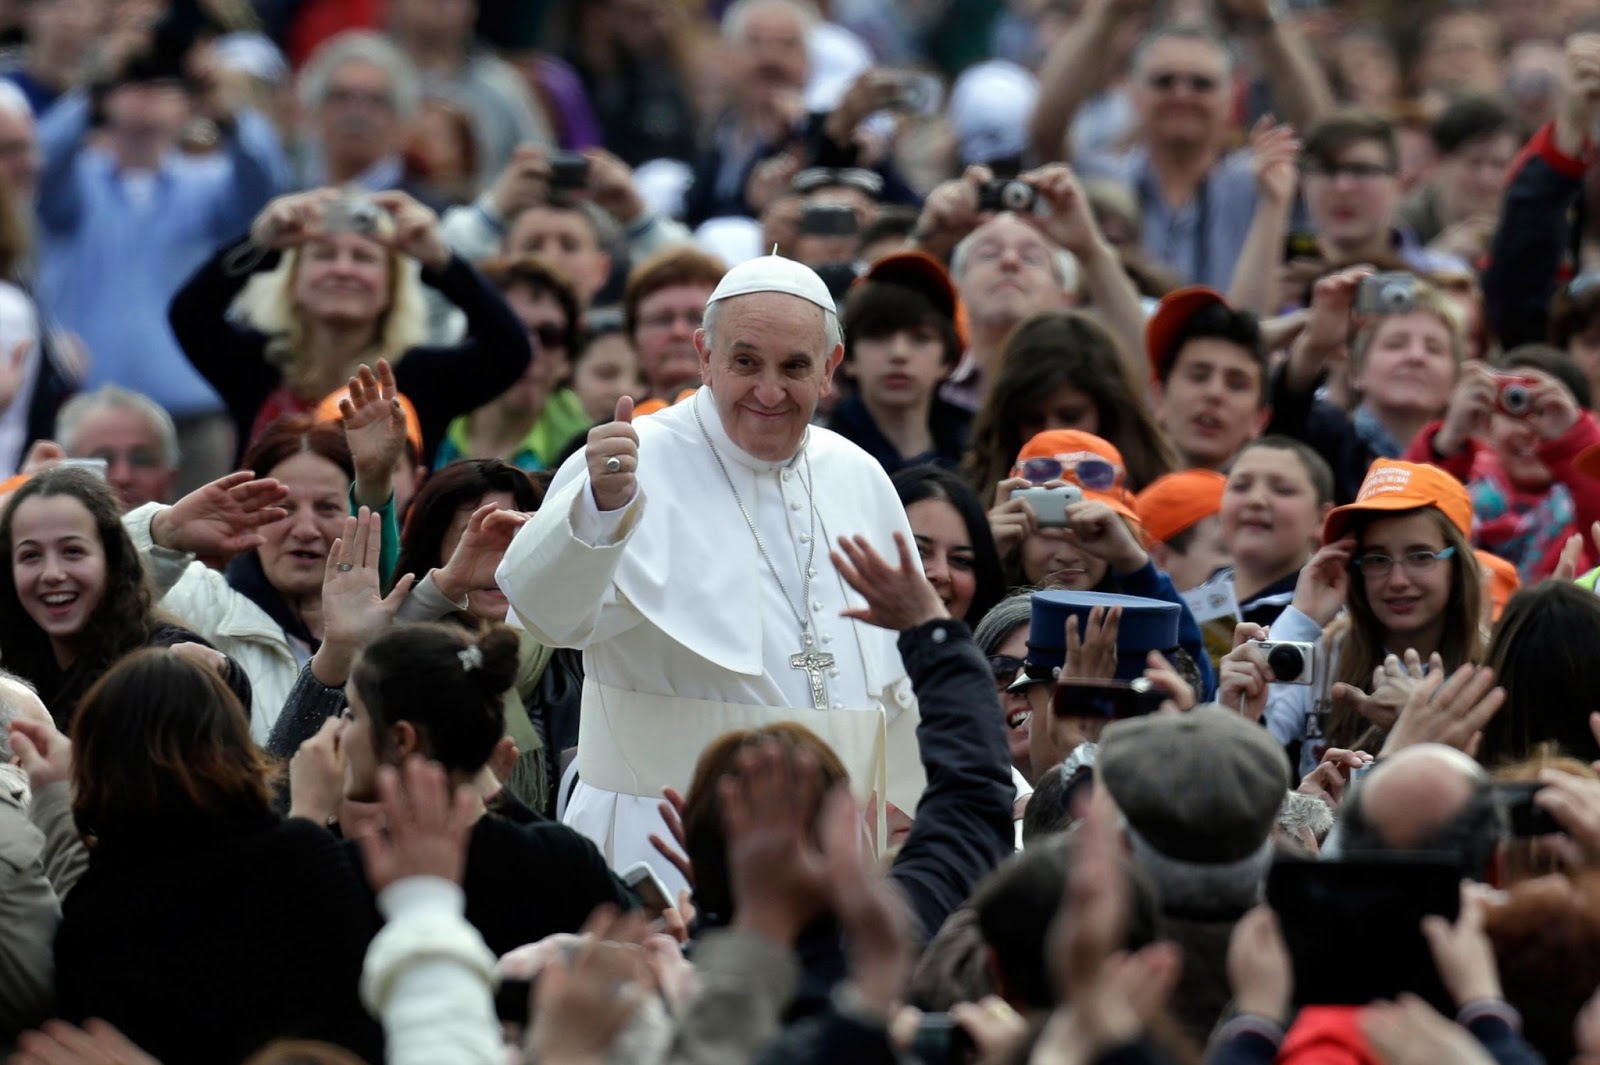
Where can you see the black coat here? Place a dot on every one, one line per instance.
(204, 944)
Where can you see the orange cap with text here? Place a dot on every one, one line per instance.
(1503, 579)
(1392, 486)
(1179, 500)
(1070, 445)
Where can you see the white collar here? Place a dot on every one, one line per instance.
(706, 407)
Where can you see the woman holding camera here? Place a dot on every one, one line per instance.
(332, 286)
(1514, 437)
(1398, 564)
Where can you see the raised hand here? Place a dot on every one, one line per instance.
(1244, 679)
(1462, 951)
(1450, 711)
(428, 827)
(1011, 519)
(1101, 531)
(1411, 1032)
(472, 564)
(777, 873)
(1575, 804)
(951, 212)
(1320, 592)
(611, 185)
(289, 221)
(416, 229)
(96, 1043)
(612, 454)
(1093, 655)
(1333, 301)
(221, 519)
(205, 657)
(354, 608)
(1469, 414)
(1259, 969)
(1332, 775)
(898, 597)
(583, 1002)
(524, 183)
(375, 428)
(1275, 160)
(1392, 685)
(42, 751)
(1164, 675)
(676, 852)
(1070, 222)
(872, 914)
(316, 774)
(1552, 411)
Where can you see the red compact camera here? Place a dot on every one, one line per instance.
(1515, 395)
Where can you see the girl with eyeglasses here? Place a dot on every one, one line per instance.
(1395, 574)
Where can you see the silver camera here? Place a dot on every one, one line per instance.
(1290, 662)
(1018, 197)
(352, 214)
(1391, 293)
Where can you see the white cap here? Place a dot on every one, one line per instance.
(774, 273)
(990, 105)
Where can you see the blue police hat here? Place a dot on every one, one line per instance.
(1147, 625)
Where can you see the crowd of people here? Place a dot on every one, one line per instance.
(662, 531)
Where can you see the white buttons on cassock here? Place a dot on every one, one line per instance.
(805, 538)
(795, 505)
(826, 638)
(837, 705)
(833, 672)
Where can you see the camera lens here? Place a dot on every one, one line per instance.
(1395, 297)
(1514, 399)
(1286, 662)
(1016, 196)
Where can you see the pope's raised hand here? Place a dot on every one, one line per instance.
(613, 456)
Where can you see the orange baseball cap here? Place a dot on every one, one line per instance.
(328, 411)
(1392, 486)
(922, 272)
(1162, 331)
(1177, 501)
(1503, 579)
(656, 406)
(1071, 446)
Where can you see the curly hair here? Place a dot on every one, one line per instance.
(121, 621)
(1547, 943)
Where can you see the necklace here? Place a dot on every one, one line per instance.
(809, 658)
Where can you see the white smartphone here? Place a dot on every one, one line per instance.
(1050, 504)
(643, 882)
(98, 467)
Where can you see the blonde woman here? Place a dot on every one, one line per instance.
(333, 282)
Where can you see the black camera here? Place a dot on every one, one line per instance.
(569, 171)
(1015, 196)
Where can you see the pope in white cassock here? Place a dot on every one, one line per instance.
(688, 556)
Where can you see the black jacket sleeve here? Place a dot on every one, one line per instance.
(443, 382)
(309, 704)
(1495, 1025)
(1324, 428)
(963, 826)
(232, 358)
(1531, 241)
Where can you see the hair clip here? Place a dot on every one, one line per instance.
(471, 658)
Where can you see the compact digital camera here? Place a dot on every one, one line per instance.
(1290, 662)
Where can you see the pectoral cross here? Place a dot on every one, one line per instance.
(813, 662)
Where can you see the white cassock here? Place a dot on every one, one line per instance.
(685, 633)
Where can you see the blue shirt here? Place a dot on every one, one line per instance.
(112, 262)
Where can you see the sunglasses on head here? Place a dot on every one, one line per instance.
(1167, 81)
(1097, 475)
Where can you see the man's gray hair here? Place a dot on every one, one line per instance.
(738, 15)
(1301, 812)
(9, 710)
(832, 334)
(1063, 264)
(361, 46)
(995, 627)
(1188, 31)
(1203, 888)
(13, 101)
(116, 397)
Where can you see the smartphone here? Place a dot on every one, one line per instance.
(828, 220)
(643, 882)
(1050, 504)
(98, 467)
(569, 171)
(1528, 819)
(1354, 926)
(1106, 700)
(941, 1041)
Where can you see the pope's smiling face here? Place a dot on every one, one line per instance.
(767, 359)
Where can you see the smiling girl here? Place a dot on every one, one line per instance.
(73, 598)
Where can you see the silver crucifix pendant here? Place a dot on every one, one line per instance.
(813, 662)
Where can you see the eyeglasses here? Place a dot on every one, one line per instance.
(665, 319)
(550, 335)
(1195, 83)
(1005, 669)
(1095, 474)
(140, 458)
(1353, 171)
(1377, 567)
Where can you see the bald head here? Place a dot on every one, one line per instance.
(1427, 798)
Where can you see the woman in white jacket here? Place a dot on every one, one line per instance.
(1398, 564)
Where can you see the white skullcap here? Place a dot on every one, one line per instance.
(774, 273)
(990, 106)
(837, 57)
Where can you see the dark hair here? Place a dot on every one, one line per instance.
(1546, 937)
(542, 279)
(302, 1052)
(1049, 811)
(460, 484)
(1318, 472)
(1041, 355)
(1571, 313)
(876, 309)
(918, 483)
(1329, 137)
(1018, 902)
(1543, 655)
(292, 434)
(1470, 118)
(161, 743)
(1471, 836)
(120, 623)
(1557, 364)
(893, 220)
(447, 683)
(1220, 322)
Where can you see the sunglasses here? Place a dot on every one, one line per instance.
(1196, 83)
(550, 336)
(1354, 171)
(1097, 475)
(1005, 668)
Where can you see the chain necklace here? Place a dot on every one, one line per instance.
(809, 658)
